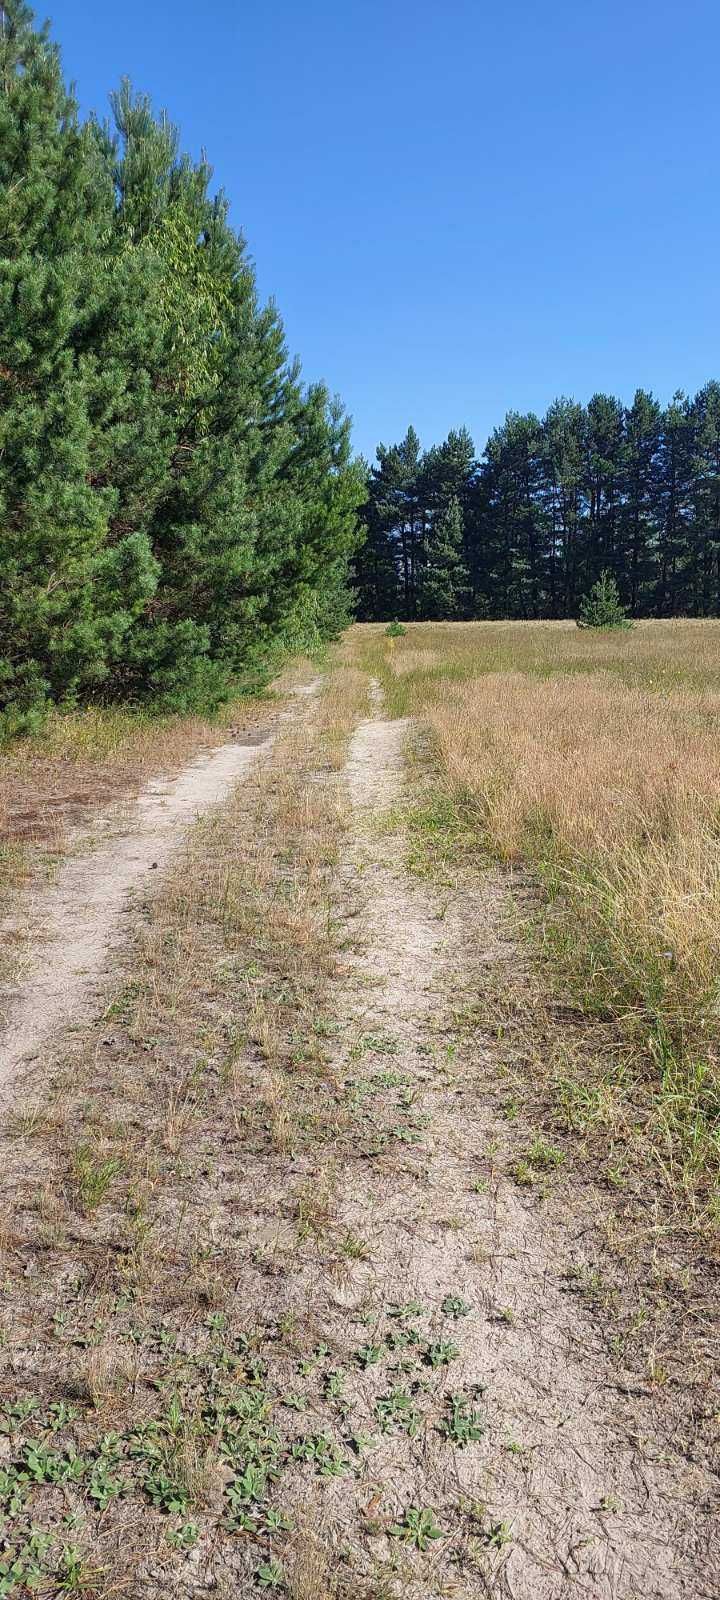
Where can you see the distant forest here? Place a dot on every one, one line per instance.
(527, 530)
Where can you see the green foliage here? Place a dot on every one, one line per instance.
(454, 1306)
(601, 608)
(93, 1178)
(218, 1441)
(418, 1527)
(177, 511)
(270, 1575)
(395, 630)
(441, 1353)
(445, 577)
(463, 1424)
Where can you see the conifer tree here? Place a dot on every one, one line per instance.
(602, 487)
(601, 608)
(673, 541)
(176, 507)
(641, 491)
(705, 536)
(52, 516)
(445, 575)
(375, 572)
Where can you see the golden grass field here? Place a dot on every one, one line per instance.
(595, 759)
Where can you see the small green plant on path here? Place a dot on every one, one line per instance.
(497, 1534)
(463, 1425)
(398, 1409)
(441, 1353)
(395, 630)
(93, 1178)
(454, 1306)
(184, 1537)
(270, 1575)
(418, 1527)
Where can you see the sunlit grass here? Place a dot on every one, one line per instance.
(595, 759)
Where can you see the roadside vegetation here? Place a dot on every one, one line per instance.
(591, 758)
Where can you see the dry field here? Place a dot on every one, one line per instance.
(358, 1239)
(595, 761)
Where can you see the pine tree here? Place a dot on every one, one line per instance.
(53, 517)
(564, 455)
(641, 493)
(375, 573)
(602, 486)
(508, 539)
(446, 472)
(445, 575)
(674, 508)
(601, 608)
(705, 537)
(238, 480)
(393, 515)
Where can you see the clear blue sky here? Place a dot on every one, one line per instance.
(461, 208)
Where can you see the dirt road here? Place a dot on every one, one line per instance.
(328, 1335)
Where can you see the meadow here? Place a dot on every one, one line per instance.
(592, 758)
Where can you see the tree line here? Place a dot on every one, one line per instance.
(177, 507)
(526, 531)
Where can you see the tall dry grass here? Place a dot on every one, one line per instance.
(618, 792)
(595, 758)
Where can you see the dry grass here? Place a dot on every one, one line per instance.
(595, 759)
(655, 655)
(307, 1568)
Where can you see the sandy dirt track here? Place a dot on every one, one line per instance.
(78, 917)
(391, 1228)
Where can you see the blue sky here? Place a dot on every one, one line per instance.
(461, 208)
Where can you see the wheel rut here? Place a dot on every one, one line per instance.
(572, 1471)
(77, 920)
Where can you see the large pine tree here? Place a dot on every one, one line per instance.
(176, 507)
(53, 516)
(705, 537)
(445, 575)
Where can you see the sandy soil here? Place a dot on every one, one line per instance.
(76, 920)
